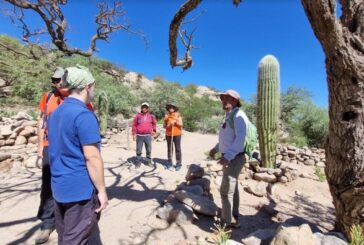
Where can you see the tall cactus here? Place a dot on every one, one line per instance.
(268, 109)
(103, 111)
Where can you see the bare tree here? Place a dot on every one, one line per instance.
(343, 43)
(50, 11)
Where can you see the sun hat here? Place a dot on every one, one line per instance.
(169, 105)
(233, 94)
(77, 77)
(58, 73)
(145, 104)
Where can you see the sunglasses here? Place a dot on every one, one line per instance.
(56, 80)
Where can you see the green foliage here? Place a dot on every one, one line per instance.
(103, 110)
(357, 236)
(320, 174)
(222, 234)
(268, 109)
(191, 89)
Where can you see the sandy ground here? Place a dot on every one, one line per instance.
(135, 194)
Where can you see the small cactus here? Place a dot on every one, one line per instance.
(268, 109)
(103, 111)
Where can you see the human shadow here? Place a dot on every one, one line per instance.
(16, 222)
(160, 161)
(26, 236)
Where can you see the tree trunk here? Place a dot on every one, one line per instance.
(343, 43)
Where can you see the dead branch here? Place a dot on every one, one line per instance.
(174, 27)
(49, 10)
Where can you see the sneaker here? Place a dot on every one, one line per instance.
(43, 235)
(168, 166)
(149, 163)
(178, 167)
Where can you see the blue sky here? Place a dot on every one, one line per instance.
(231, 42)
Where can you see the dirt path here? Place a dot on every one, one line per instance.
(135, 194)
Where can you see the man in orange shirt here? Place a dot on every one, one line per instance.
(173, 125)
(49, 102)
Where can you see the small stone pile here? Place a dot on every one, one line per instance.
(190, 197)
(306, 156)
(18, 140)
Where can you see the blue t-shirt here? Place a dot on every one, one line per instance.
(71, 126)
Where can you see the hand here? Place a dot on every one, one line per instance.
(212, 152)
(224, 162)
(40, 151)
(102, 196)
(134, 137)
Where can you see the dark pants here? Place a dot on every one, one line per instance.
(46, 206)
(75, 221)
(147, 140)
(177, 146)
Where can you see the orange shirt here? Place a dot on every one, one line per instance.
(176, 129)
(54, 101)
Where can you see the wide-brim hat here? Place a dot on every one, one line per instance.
(233, 94)
(58, 73)
(169, 105)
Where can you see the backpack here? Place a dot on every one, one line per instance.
(251, 138)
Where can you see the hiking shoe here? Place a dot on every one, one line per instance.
(178, 167)
(150, 163)
(168, 166)
(43, 235)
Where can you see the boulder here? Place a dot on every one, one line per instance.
(194, 189)
(20, 140)
(30, 123)
(2, 142)
(199, 204)
(258, 237)
(33, 162)
(9, 142)
(6, 132)
(309, 162)
(269, 178)
(6, 164)
(301, 235)
(22, 115)
(330, 238)
(33, 140)
(3, 157)
(204, 182)
(174, 211)
(13, 136)
(257, 188)
(28, 131)
(194, 172)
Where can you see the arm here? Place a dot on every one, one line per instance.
(165, 121)
(134, 126)
(179, 122)
(154, 124)
(95, 167)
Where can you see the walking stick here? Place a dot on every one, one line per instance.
(172, 145)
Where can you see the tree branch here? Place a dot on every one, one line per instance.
(186, 62)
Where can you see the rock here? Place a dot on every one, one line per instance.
(279, 157)
(270, 178)
(2, 142)
(30, 123)
(297, 192)
(258, 237)
(283, 179)
(301, 235)
(114, 130)
(20, 140)
(309, 162)
(28, 131)
(291, 154)
(18, 129)
(254, 162)
(13, 136)
(175, 211)
(9, 142)
(320, 164)
(3, 157)
(104, 141)
(198, 203)
(22, 115)
(195, 189)
(194, 172)
(293, 161)
(258, 189)
(2, 83)
(330, 238)
(33, 162)
(6, 164)
(292, 148)
(6, 132)
(2, 137)
(33, 140)
(204, 182)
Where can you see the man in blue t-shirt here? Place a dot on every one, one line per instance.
(77, 169)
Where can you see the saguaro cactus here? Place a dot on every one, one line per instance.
(103, 111)
(268, 109)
